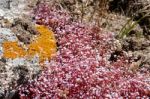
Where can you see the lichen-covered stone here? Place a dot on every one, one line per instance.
(13, 70)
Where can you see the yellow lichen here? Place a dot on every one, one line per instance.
(12, 50)
(44, 46)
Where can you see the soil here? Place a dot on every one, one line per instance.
(134, 9)
(139, 47)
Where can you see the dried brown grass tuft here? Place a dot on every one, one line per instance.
(86, 10)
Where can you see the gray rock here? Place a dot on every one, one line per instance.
(16, 72)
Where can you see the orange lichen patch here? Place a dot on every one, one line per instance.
(44, 46)
(12, 50)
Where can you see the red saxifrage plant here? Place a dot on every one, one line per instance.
(81, 68)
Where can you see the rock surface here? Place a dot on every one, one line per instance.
(11, 9)
(14, 72)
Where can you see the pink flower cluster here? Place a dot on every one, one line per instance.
(81, 69)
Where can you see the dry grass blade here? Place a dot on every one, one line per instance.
(129, 26)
